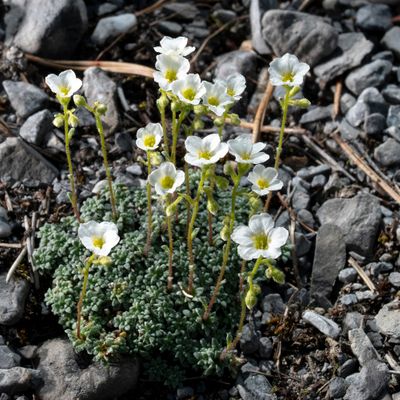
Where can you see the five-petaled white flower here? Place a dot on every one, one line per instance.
(65, 84)
(216, 98)
(264, 180)
(260, 238)
(247, 152)
(189, 89)
(204, 151)
(166, 179)
(174, 46)
(99, 238)
(149, 137)
(287, 71)
(235, 85)
(169, 69)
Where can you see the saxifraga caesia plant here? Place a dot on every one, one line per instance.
(145, 296)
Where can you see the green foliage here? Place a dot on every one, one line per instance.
(127, 309)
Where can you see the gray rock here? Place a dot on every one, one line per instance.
(316, 114)
(394, 279)
(249, 340)
(184, 392)
(374, 99)
(358, 217)
(55, 36)
(352, 49)
(257, 9)
(388, 153)
(37, 127)
(98, 86)
(184, 11)
(309, 173)
(109, 28)
(346, 102)
(8, 359)
(300, 200)
(307, 36)
(18, 379)
(323, 324)
(65, 380)
(347, 275)
(306, 217)
(349, 367)
(348, 299)
(5, 229)
(370, 383)
(374, 17)
(388, 319)
(379, 268)
(124, 141)
(373, 74)
(362, 347)
(347, 131)
(12, 299)
(25, 98)
(391, 40)
(374, 124)
(265, 347)
(15, 156)
(240, 61)
(329, 259)
(393, 117)
(352, 320)
(135, 169)
(223, 15)
(337, 387)
(169, 28)
(357, 114)
(363, 295)
(256, 387)
(391, 93)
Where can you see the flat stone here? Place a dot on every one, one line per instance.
(316, 114)
(22, 163)
(357, 114)
(391, 40)
(8, 359)
(347, 275)
(37, 127)
(337, 387)
(64, 380)
(98, 86)
(5, 229)
(25, 98)
(388, 153)
(373, 74)
(256, 387)
(394, 279)
(359, 219)
(183, 11)
(307, 36)
(257, 9)
(55, 36)
(109, 28)
(375, 100)
(388, 320)
(329, 259)
(352, 320)
(374, 124)
(362, 347)
(391, 93)
(393, 117)
(374, 17)
(323, 324)
(170, 28)
(12, 299)
(18, 379)
(249, 340)
(243, 62)
(348, 131)
(352, 48)
(346, 102)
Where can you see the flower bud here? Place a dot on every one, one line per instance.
(235, 120)
(71, 133)
(294, 90)
(275, 274)
(229, 168)
(198, 124)
(171, 209)
(256, 289)
(212, 206)
(79, 100)
(174, 106)
(73, 120)
(222, 182)
(162, 102)
(219, 121)
(225, 233)
(250, 299)
(58, 121)
(303, 103)
(104, 260)
(199, 109)
(100, 108)
(155, 158)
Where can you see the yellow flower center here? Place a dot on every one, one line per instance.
(189, 93)
(167, 182)
(98, 241)
(288, 77)
(263, 183)
(149, 140)
(205, 154)
(63, 90)
(246, 156)
(230, 91)
(170, 75)
(261, 241)
(213, 101)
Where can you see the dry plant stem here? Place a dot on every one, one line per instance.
(190, 230)
(149, 208)
(171, 245)
(83, 294)
(260, 114)
(100, 129)
(74, 198)
(187, 188)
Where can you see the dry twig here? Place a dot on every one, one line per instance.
(260, 114)
(336, 100)
(16, 263)
(362, 274)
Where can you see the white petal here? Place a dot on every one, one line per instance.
(259, 158)
(154, 177)
(247, 253)
(53, 82)
(211, 142)
(193, 160)
(256, 223)
(278, 236)
(242, 235)
(193, 144)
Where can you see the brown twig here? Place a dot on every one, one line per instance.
(11, 245)
(362, 274)
(16, 263)
(111, 45)
(336, 99)
(363, 166)
(151, 8)
(260, 114)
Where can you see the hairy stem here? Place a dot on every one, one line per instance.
(171, 246)
(176, 125)
(149, 208)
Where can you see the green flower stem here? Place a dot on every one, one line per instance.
(253, 272)
(171, 246)
(196, 203)
(74, 197)
(83, 294)
(164, 128)
(227, 248)
(176, 125)
(187, 185)
(149, 208)
(100, 129)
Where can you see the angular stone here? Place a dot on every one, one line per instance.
(109, 28)
(18, 379)
(15, 156)
(359, 219)
(51, 28)
(8, 359)
(25, 98)
(323, 324)
(362, 347)
(307, 36)
(256, 387)
(374, 124)
(393, 117)
(329, 259)
(352, 49)
(391, 40)
(388, 153)
(243, 62)
(257, 9)
(37, 127)
(388, 319)
(316, 114)
(374, 17)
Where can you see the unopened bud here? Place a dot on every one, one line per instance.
(229, 168)
(162, 102)
(104, 260)
(171, 209)
(235, 120)
(174, 106)
(303, 103)
(212, 206)
(200, 109)
(198, 124)
(275, 274)
(250, 299)
(155, 158)
(219, 121)
(100, 108)
(73, 120)
(294, 90)
(58, 121)
(225, 233)
(79, 100)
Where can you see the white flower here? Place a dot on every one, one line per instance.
(260, 238)
(287, 71)
(169, 69)
(235, 85)
(189, 89)
(204, 151)
(149, 137)
(174, 46)
(215, 97)
(264, 180)
(247, 152)
(65, 84)
(99, 238)
(166, 179)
